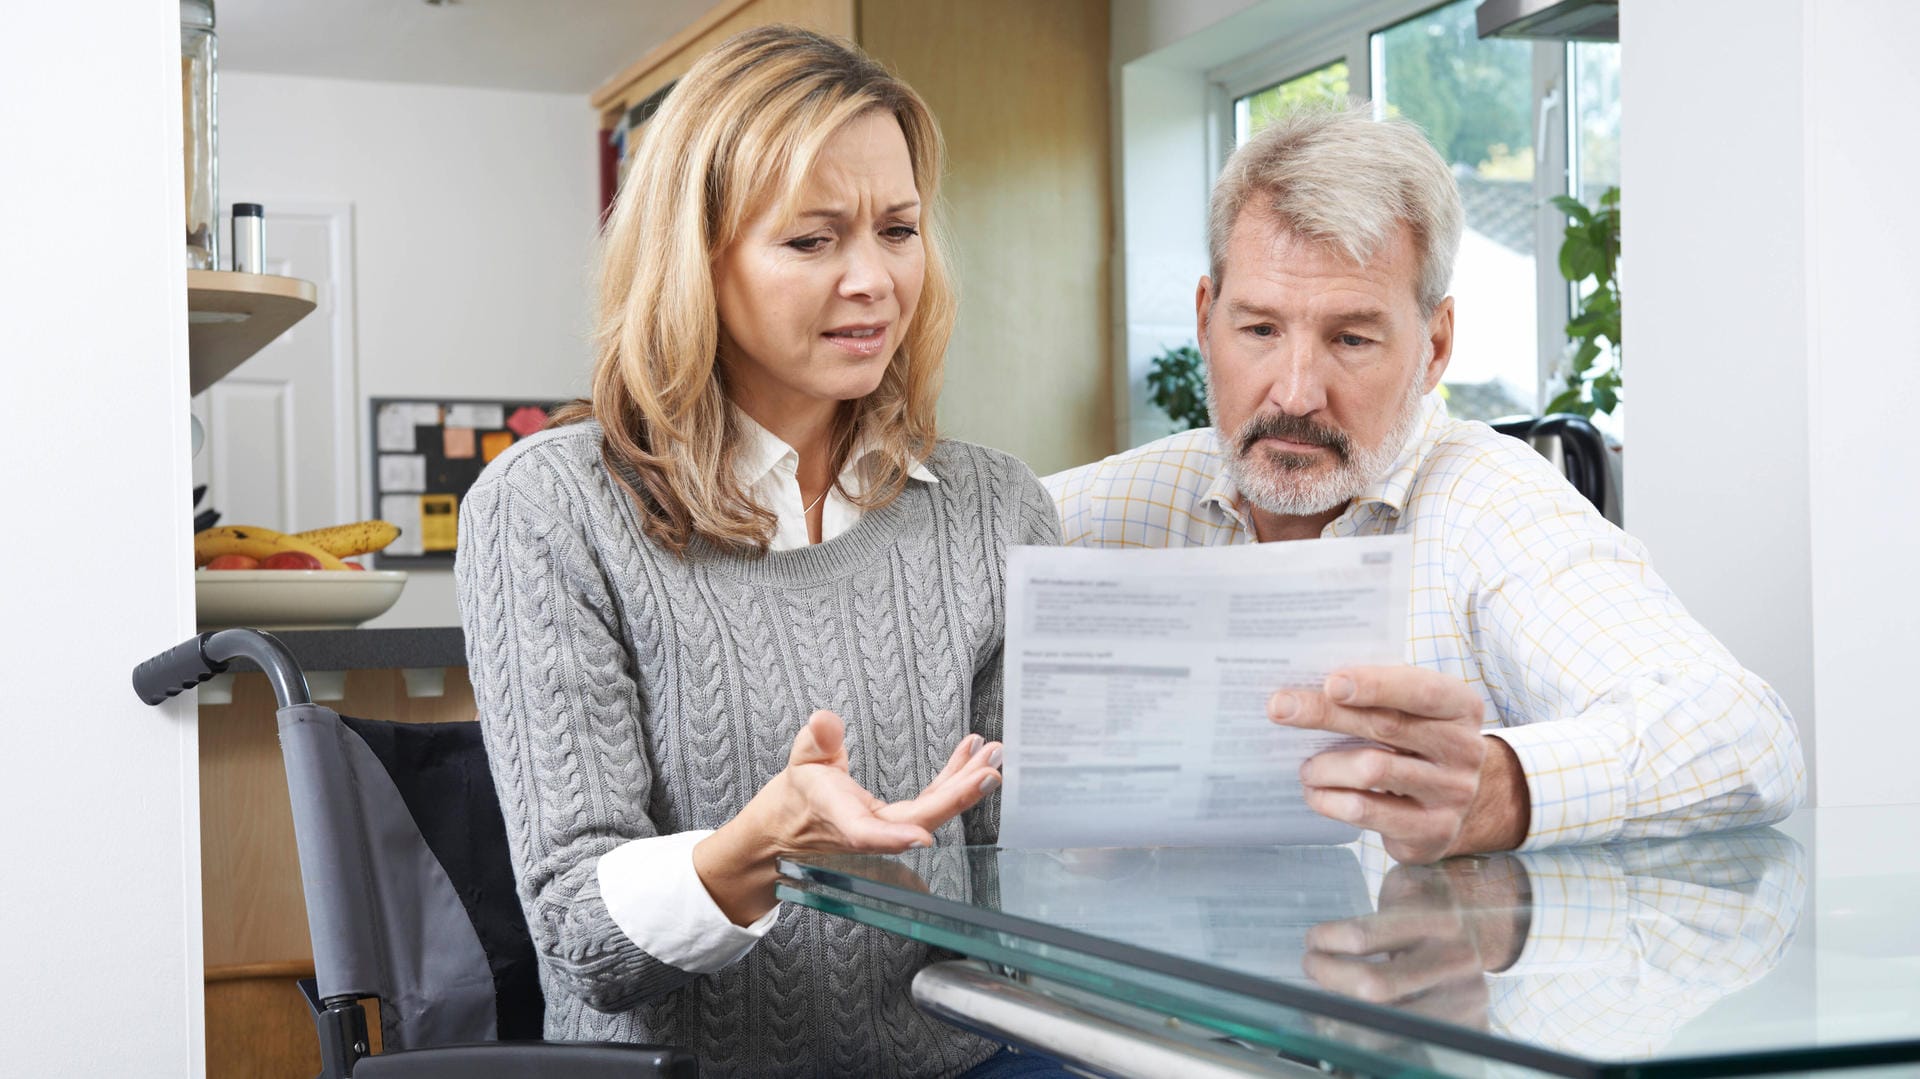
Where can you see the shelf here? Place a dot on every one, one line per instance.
(231, 316)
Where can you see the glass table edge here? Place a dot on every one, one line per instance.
(858, 893)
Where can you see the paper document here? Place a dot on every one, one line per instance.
(1137, 685)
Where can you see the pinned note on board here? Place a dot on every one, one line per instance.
(427, 454)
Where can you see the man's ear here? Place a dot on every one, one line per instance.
(1202, 308)
(1439, 343)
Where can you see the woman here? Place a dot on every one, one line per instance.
(743, 602)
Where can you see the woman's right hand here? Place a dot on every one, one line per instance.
(814, 804)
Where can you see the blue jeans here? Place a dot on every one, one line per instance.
(1007, 1064)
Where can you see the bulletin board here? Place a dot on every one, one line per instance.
(427, 453)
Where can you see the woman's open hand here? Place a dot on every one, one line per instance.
(828, 811)
(814, 804)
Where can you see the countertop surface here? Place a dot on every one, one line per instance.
(374, 649)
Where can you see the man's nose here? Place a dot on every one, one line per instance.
(1299, 385)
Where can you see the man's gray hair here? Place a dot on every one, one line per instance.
(1340, 177)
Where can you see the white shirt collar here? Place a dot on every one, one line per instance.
(768, 469)
(763, 452)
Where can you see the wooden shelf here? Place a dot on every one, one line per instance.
(231, 316)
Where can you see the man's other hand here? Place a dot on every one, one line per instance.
(1433, 785)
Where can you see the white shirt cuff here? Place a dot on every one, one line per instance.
(659, 902)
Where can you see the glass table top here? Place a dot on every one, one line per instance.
(1788, 948)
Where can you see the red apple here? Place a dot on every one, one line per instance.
(355, 565)
(234, 561)
(290, 560)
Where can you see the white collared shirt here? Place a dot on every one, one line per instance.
(769, 470)
(649, 885)
(1629, 719)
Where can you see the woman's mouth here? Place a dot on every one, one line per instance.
(862, 341)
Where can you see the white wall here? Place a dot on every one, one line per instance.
(474, 216)
(1712, 211)
(1770, 249)
(100, 890)
(1863, 367)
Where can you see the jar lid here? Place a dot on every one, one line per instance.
(196, 14)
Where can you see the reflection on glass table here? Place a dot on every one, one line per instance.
(1689, 956)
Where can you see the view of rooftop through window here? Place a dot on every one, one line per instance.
(1474, 100)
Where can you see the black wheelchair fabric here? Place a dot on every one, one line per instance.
(440, 770)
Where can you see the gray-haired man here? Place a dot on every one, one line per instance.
(1556, 690)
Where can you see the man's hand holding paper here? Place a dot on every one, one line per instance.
(1421, 784)
(1138, 685)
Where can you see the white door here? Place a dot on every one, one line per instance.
(280, 429)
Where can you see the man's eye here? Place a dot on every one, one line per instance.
(1353, 340)
(808, 243)
(1261, 330)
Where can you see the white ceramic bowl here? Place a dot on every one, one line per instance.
(294, 598)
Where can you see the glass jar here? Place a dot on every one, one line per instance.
(200, 142)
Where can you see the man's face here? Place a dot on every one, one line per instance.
(1316, 364)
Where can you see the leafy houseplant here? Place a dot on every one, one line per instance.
(1592, 250)
(1178, 380)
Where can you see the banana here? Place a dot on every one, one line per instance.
(255, 542)
(345, 541)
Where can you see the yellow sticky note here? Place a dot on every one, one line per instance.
(439, 522)
(494, 443)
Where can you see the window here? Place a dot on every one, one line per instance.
(1474, 99)
(1322, 86)
(1519, 121)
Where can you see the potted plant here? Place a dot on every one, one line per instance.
(1591, 251)
(1178, 385)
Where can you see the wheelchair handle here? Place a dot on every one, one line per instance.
(197, 659)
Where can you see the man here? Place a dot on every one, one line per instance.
(1558, 692)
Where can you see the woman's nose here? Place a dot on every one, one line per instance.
(866, 275)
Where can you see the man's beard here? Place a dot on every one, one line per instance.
(1302, 484)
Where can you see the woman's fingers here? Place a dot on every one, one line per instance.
(822, 740)
(961, 754)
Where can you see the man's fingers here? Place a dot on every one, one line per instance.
(1413, 734)
(1434, 962)
(1369, 769)
(1413, 690)
(1413, 833)
(1388, 931)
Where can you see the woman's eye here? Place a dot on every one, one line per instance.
(901, 233)
(807, 244)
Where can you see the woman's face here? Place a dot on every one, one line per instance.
(813, 308)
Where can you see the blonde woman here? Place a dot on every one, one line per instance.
(744, 601)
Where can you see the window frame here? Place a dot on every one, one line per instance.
(1350, 38)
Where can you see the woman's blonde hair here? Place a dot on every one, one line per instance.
(738, 135)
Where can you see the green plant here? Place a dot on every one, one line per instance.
(1178, 380)
(1592, 250)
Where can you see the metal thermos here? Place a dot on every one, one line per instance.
(249, 238)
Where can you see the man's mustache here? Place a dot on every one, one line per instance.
(1293, 429)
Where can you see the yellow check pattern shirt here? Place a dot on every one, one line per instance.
(1628, 717)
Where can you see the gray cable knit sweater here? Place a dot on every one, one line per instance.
(626, 692)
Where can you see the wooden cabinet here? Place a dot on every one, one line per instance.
(1021, 92)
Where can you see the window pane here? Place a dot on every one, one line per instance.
(1474, 100)
(1594, 146)
(1596, 118)
(1321, 86)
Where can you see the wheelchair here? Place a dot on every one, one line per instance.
(410, 893)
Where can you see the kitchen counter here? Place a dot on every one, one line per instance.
(373, 649)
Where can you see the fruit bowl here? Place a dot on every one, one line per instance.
(294, 598)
